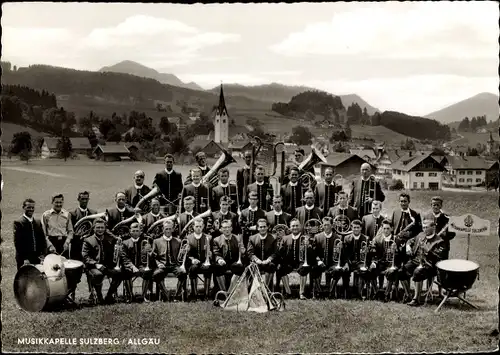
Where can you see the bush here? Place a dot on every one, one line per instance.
(396, 185)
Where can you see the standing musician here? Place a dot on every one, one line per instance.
(263, 249)
(299, 158)
(154, 215)
(343, 208)
(98, 254)
(277, 215)
(188, 213)
(324, 243)
(169, 182)
(401, 221)
(120, 212)
(198, 191)
(371, 223)
(224, 214)
(364, 191)
(165, 253)
(228, 254)
(201, 159)
(292, 192)
(136, 192)
(199, 259)
(308, 211)
(353, 251)
(244, 178)
(441, 219)
(261, 188)
(250, 216)
(292, 256)
(427, 251)
(326, 191)
(223, 189)
(29, 238)
(132, 261)
(57, 225)
(78, 213)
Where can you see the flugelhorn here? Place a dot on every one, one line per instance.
(181, 257)
(116, 254)
(206, 264)
(337, 253)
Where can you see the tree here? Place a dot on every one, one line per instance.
(347, 130)
(301, 135)
(105, 127)
(376, 119)
(178, 144)
(21, 141)
(408, 145)
(114, 136)
(64, 147)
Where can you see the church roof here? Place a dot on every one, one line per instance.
(222, 103)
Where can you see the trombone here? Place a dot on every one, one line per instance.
(231, 184)
(372, 191)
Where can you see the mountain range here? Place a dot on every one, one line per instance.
(481, 104)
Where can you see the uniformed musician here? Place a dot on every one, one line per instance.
(136, 192)
(262, 189)
(292, 192)
(249, 217)
(120, 212)
(169, 182)
(277, 215)
(364, 191)
(326, 192)
(224, 189)
(402, 221)
(78, 213)
(57, 225)
(441, 219)
(200, 257)
(154, 215)
(343, 208)
(201, 159)
(224, 214)
(371, 223)
(263, 249)
(188, 214)
(244, 177)
(308, 211)
(199, 191)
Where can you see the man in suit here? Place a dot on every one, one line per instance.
(188, 214)
(371, 223)
(263, 250)
(244, 177)
(57, 225)
(224, 189)
(326, 191)
(136, 192)
(292, 192)
(402, 217)
(78, 213)
(98, 256)
(277, 215)
(298, 159)
(29, 239)
(154, 215)
(224, 214)
(201, 159)
(263, 189)
(200, 250)
(169, 184)
(249, 217)
(441, 220)
(308, 211)
(343, 209)
(201, 193)
(120, 212)
(363, 187)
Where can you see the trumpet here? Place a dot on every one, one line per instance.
(337, 253)
(206, 264)
(363, 255)
(390, 248)
(183, 252)
(116, 254)
(304, 243)
(231, 184)
(145, 256)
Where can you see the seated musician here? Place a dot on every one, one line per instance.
(428, 249)
(262, 249)
(327, 257)
(224, 189)
(404, 227)
(199, 259)
(187, 215)
(292, 258)
(249, 217)
(441, 219)
(201, 159)
(169, 183)
(120, 212)
(308, 211)
(356, 261)
(57, 225)
(165, 253)
(132, 261)
(371, 223)
(343, 208)
(198, 191)
(386, 257)
(262, 189)
(228, 254)
(292, 192)
(326, 192)
(136, 192)
(98, 252)
(29, 239)
(78, 213)
(277, 215)
(224, 214)
(154, 215)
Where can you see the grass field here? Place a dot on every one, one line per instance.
(305, 326)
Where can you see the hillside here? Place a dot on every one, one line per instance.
(133, 68)
(9, 129)
(482, 104)
(275, 92)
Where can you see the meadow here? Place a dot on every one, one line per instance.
(305, 326)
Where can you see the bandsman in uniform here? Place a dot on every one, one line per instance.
(77, 214)
(154, 215)
(298, 159)
(188, 214)
(308, 211)
(277, 215)
(250, 216)
(169, 182)
(224, 189)
(199, 259)
(263, 249)
(371, 223)
(441, 220)
(229, 254)
(292, 192)
(262, 189)
(200, 192)
(401, 221)
(343, 209)
(120, 212)
(224, 214)
(136, 192)
(201, 159)
(363, 187)
(57, 225)
(244, 177)
(98, 253)
(326, 192)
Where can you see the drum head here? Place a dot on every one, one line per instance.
(30, 288)
(457, 265)
(72, 264)
(53, 265)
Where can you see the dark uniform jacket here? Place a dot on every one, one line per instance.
(352, 250)
(324, 250)
(160, 251)
(243, 179)
(398, 223)
(149, 220)
(357, 196)
(170, 186)
(263, 192)
(115, 216)
(30, 241)
(325, 196)
(201, 196)
(273, 219)
(134, 196)
(132, 254)
(198, 247)
(262, 248)
(228, 250)
(97, 251)
(304, 214)
(292, 197)
(233, 217)
(219, 191)
(290, 251)
(371, 225)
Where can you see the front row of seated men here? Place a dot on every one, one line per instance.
(225, 257)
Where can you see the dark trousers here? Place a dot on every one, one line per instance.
(58, 243)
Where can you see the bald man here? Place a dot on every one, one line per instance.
(364, 191)
(134, 193)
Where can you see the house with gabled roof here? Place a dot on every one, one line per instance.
(345, 164)
(79, 145)
(418, 171)
(466, 170)
(112, 152)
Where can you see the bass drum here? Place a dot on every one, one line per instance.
(457, 274)
(39, 287)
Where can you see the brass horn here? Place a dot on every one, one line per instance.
(312, 159)
(84, 225)
(212, 176)
(342, 224)
(156, 228)
(149, 196)
(205, 214)
(123, 228)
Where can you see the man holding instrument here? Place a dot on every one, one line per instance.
(224, 189)
(187, 215)
(308, 211)
(136, 192)
(120, 212)
(244, 177)
(169, 184)
(29, 239)
(407, 222)
(371, 223)
(57, 225)
(200, 192)
(154, 215)
(224, 214)
(201, 159)
(326, 192)
(441, 220)
(292, 192)
(277, 215)
(78, 213)
(262, 250)
(250, 216)
(364, 191)
(199, 259)
(261, 188)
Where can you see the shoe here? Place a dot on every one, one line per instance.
(414, 303)
(302, 297)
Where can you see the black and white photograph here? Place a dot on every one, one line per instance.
(226, 178)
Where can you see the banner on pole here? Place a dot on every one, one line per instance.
(470, 224)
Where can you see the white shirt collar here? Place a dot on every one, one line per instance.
(202, 167)
(295, 237)
(278, 213)
(430, 236)
(224, 185)
(388, 238)
(198, 236)
(309, 207)
(83, 210)
(52, 210)
(405, 211)
(328, 184)
(356, 237)
(438, 214)
(169, 171)
(189, 213)
(29, 219)
(260, 183)
(292, 183)
(343, 208)
(262, 237)
(224, 214)
(246, 166)
(363, 179)
(196, 185)
(376, 216)
(253, 209)
(168, 239)
(154, 215)
(120, 210)
(137, 187)
(328, 236)
(228, 238)
(134, 240)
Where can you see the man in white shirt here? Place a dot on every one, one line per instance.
(57, 225)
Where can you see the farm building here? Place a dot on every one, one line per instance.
(466, 170)
(210, 148)
(112, 152)
(240, 147)
(79, 145)
(418, 171)
(49, 147)
(345, 164)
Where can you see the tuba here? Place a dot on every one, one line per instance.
(307, 179)
(156, 228)
(122, 228)
(207, 213)
(84, 225)
(212, 178)
(116, 254)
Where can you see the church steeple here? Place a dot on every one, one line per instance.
(221, 121)
(222, 103)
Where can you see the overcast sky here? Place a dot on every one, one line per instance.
(406, 56)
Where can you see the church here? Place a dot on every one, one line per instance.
(221, 121)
